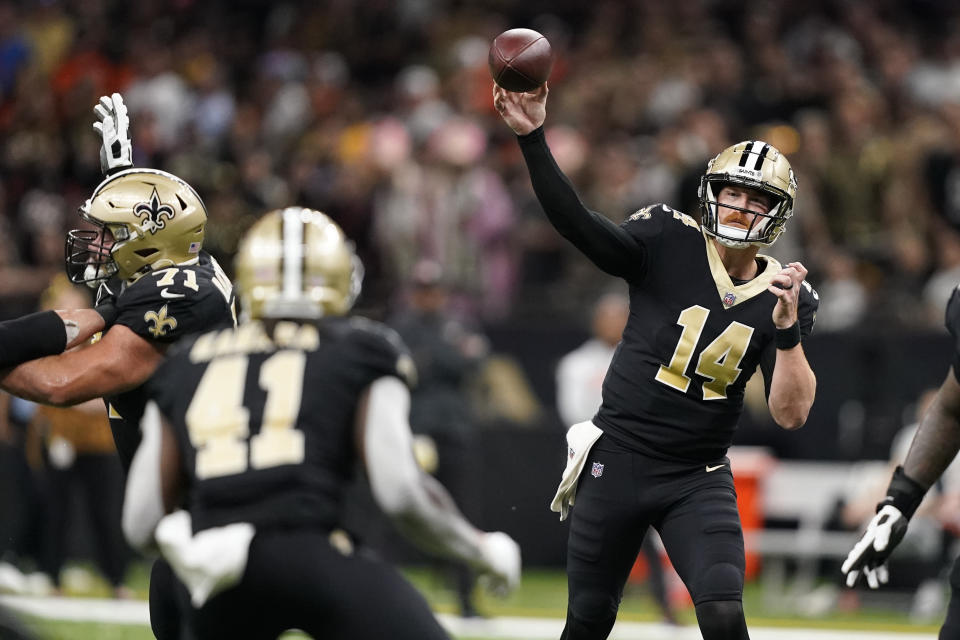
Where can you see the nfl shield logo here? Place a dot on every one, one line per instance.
(729, 299)
(597, 470)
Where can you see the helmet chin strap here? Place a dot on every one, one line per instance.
(93, 275)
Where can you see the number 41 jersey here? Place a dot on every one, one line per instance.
(675, 387)
(265, 417)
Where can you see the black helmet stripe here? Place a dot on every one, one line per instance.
(758, 150)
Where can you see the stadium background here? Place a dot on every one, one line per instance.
(379, 113)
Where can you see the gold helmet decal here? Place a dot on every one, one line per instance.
(297, 263)
(143, 219)
(757, 165)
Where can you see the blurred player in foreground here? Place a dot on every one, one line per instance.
(260, 429)
(934, 447)
(705, 311)
(143, 250)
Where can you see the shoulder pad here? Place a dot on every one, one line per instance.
(167, 304)
(175, 283)
(375, 337)
(807, 304)
(663, 212)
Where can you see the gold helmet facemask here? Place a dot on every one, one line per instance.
(757, 165)
(297, 263)
(144, 219)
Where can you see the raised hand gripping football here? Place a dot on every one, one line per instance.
(113, 127)
(869, 555)
(523, 112)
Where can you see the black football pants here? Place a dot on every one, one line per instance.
(621, 493)
(296, 580)
(951, 627)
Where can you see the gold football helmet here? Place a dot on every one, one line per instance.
(757, 165)
(297, 263)
(145, 219)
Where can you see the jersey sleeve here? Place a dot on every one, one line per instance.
(162, 308)
(375, 351)
(952, 321)
(604, 242)
(807, 305)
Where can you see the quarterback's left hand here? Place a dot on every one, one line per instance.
(113, 126)
(786, 286)
(869, 555)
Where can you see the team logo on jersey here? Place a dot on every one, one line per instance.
(642, 214)
(160, 322)
(597, 470)
(153, 213)
(729, 299)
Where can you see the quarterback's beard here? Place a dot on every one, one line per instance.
(94, 274)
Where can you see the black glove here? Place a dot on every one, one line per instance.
(106, 304)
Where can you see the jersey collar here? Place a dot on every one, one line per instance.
(731, 294)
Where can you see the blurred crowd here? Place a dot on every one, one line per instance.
(379, 113)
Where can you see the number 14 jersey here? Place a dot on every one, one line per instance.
(694, 337)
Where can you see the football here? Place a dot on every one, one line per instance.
(520, 60)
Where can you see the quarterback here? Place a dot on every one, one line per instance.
(706, 310)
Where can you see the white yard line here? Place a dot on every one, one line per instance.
(136, 612)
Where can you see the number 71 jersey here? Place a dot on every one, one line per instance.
(265, 417)
(694, 337)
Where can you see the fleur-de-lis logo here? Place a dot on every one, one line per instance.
(153, 213)
(160, 322)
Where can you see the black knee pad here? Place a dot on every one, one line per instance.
(590, 616)
(593, 606)
(722, 581)
(722, 620)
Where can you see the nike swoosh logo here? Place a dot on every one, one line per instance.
(709, 468)
(165, 293)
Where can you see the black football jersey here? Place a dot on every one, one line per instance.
(265, 421)
(164, 306)
(675, 387)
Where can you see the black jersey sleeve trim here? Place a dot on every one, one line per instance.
(605, 243)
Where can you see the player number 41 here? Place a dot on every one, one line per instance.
(219, 423)
(719, 361)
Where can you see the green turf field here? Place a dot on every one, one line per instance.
(541, 595)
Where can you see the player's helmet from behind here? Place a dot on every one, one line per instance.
(757, 165)
(144, 219)
(297, 263)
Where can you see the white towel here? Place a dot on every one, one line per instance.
(580, 439)
(209, 562)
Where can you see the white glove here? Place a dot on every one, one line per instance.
(869, 555)
(500, 561)
(113, 126)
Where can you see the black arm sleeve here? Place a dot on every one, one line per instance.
(606, 244)
(30, 337)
